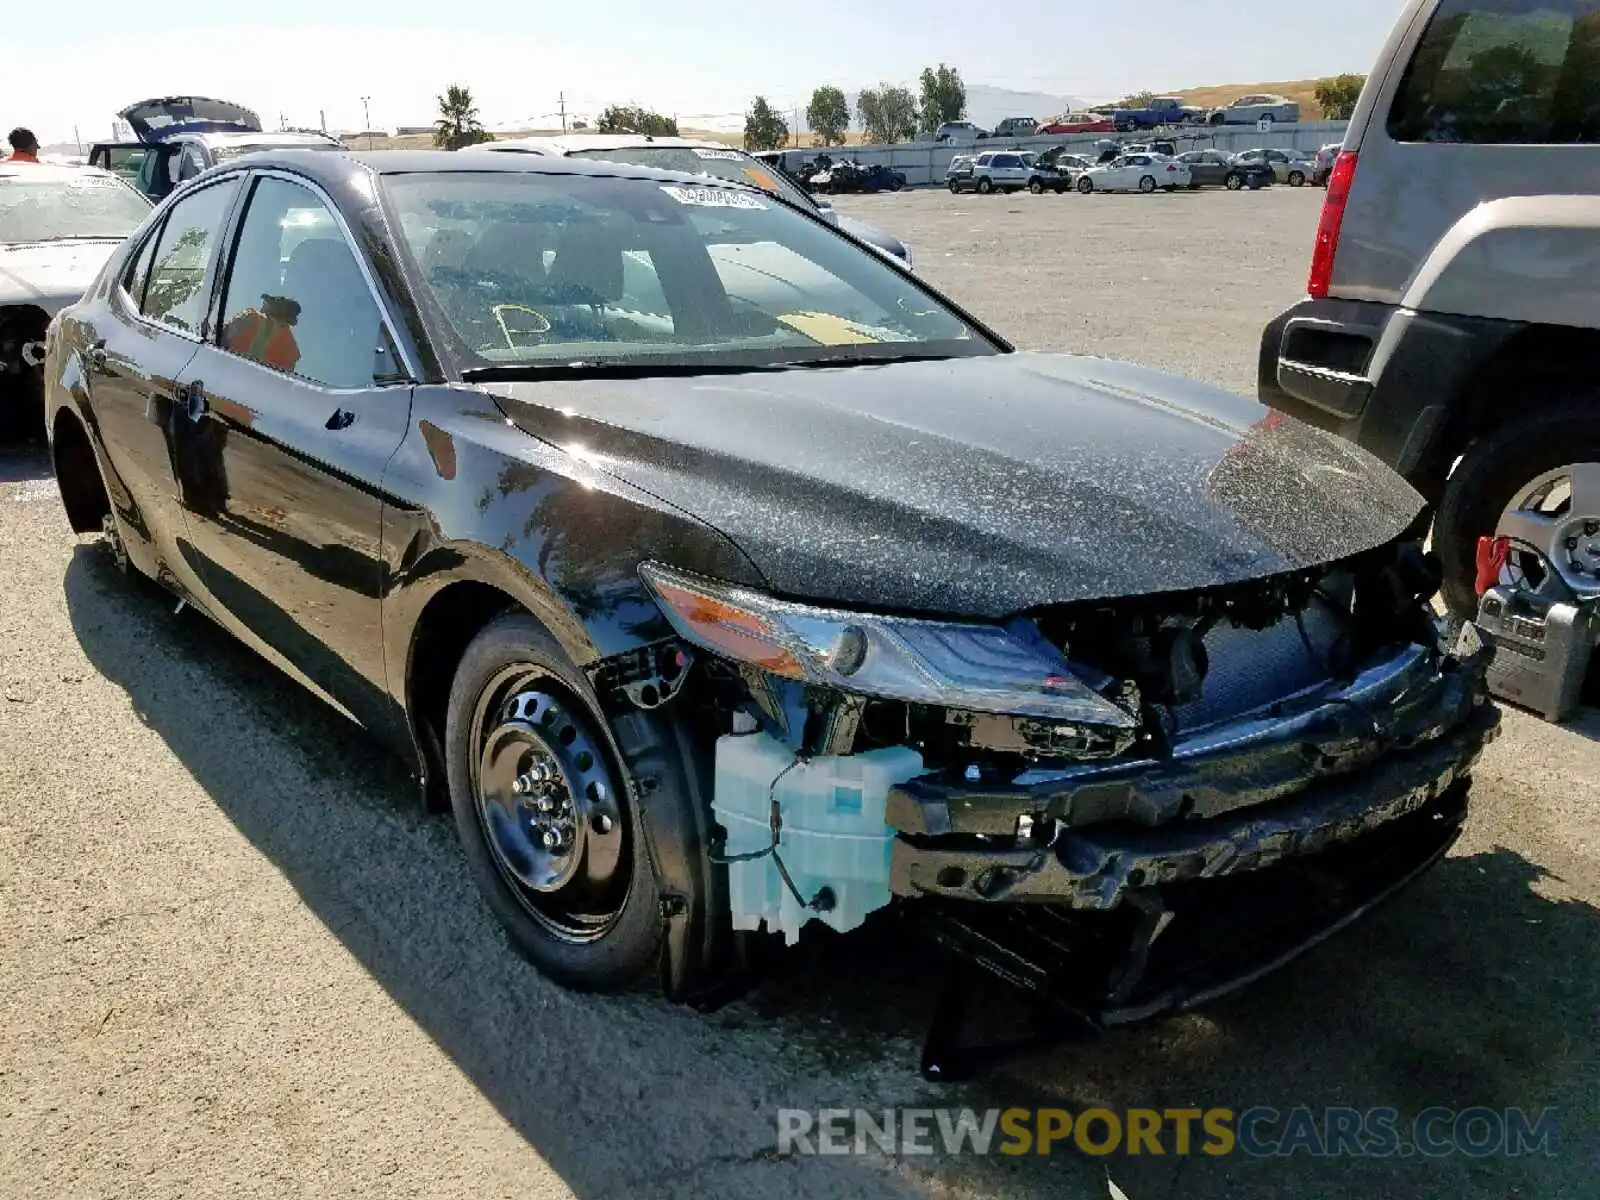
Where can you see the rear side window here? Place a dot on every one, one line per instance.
(1507, 72)
(176, 292)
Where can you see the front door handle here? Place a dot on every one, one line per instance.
(342, 418)
(97, 356)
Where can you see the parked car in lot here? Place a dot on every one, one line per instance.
(1135, 173)
(1084, 122)
(1015, 127)
(960, 133)
(180, 136)
(1453, 328)
(1294, 167)
(1008, 171)
(702, 158)
(1213, 168)
(1163, 110)
(711, 610)
(1322, 163)
(1061, 160)
(1252, 110)
(58, 225)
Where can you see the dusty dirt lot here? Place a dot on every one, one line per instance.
(237, 960)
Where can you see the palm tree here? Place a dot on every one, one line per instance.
(458, 123)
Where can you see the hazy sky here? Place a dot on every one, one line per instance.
(78, 61)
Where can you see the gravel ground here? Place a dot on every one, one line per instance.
(239, 961)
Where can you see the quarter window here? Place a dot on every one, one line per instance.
(176, 294)
(138, 272)
(296, 299)
(1503, 72)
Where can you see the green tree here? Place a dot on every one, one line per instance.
(887, 113)
(828, 114)
(1337, 96)
(1136, 100)
(764, 127)
(458, 123)
(634, 118)
(944, 98)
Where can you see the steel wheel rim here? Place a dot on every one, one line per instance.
(1559, 513)
(549, 805)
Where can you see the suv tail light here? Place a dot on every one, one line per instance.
(1327, 244)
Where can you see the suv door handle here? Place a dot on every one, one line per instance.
(342, 418)
(194, 400)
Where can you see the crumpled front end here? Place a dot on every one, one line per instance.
(1142, 801)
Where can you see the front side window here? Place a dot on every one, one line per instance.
(296, 299)
(1505, 72)
(528, 269)
(176, 293)
(57, 207)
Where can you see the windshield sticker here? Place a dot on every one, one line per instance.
(711, 197)
(760, 178)
(830, 329)
(727, 154)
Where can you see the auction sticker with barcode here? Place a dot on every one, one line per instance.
(710, 197)
(731, 155)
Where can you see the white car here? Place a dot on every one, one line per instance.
(1135, 173)
(58, 225)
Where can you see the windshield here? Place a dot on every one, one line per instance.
(531, 269)
(48, 210)
(735, 166)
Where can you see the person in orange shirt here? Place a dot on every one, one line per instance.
(266, 334)
(24, 146)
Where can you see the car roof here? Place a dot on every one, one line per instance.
(284, 138)
(335, 169)
(49, 172)
(576, 143)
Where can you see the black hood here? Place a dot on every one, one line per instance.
(980, 486)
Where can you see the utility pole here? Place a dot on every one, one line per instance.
(562, 98)
(366, 120)
(322, 118)
(77, 139)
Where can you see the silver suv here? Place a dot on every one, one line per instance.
(1452, 323)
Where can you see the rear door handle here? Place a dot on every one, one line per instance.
(342, 418)
(97, 356)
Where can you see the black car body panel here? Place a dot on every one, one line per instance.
(981, 486)
(1390, 380)
(360, 537)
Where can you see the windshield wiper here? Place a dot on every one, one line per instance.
(521, 372)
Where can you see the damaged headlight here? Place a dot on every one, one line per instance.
(986, 668)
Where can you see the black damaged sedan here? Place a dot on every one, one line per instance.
(725, 579)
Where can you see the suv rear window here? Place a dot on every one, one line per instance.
(1505, 72)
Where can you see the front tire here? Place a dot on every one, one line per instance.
(1499, 471)
(547, 818)
(1147, 184)
(1085, 186)
(1036, 187)
(985, 186)
(1234, 181)
(1297, 179)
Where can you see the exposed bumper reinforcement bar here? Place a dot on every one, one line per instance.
(1096, 868)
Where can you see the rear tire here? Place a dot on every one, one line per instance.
(1085, 186)
(954, 190)
(1493, 473)
(1297, 179)
(985, 186)
(1147, 185)
(1234, 181)
(1036, 187)
(514, 697)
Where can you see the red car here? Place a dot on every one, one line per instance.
(1078, 123)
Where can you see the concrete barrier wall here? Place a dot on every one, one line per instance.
(925, 163)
